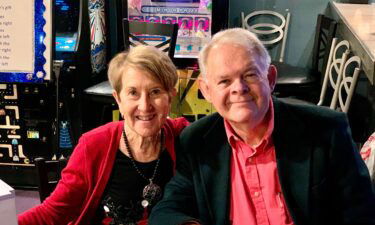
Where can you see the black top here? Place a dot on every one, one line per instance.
(123, 194)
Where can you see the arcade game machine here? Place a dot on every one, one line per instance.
(82, 45)
(41, 111)
(26, 93)
(197, 20)
(73, 51)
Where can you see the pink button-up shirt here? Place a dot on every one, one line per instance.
(256, 196)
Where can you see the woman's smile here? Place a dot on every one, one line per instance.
(146, 118)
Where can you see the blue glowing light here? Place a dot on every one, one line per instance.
(63, 5)
(41, 38)
(65, 44)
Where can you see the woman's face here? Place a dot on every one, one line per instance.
(143, 102)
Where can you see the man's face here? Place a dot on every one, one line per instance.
(236, 85)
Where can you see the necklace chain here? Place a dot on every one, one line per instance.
(128, 149)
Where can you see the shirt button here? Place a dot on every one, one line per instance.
(249, 160)
(256, 194)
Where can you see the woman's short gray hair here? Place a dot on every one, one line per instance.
(147, 58)
(238, 36)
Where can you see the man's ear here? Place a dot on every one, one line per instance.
(272, 76)
(204, 88)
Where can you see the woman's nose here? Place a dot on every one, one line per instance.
(144, 103)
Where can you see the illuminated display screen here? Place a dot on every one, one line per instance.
(33, 134)
(194, 19)
(65, 44)
(67, 15)
(62, 5)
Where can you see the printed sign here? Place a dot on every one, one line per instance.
(25, 40)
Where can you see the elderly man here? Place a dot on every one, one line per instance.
(260, 160)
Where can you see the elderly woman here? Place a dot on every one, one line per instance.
(118, 171)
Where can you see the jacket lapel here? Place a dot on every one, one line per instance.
(293, 154)
(215, 169)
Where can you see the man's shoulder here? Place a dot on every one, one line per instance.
(200, 127)
(310, 113)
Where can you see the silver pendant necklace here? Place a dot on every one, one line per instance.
(151, 192)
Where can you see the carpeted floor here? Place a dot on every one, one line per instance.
(26, 199)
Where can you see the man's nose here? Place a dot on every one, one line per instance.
(240, 86)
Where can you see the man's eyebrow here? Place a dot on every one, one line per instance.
(252, 67)
(223, 76)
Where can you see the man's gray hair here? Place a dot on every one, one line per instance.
(237, 36)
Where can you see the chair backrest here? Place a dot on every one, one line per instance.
(324, 33)
(271, 33)
(348, 83)
(335, 66)
(49, 173)
(136, 33)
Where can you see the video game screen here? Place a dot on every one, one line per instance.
(66, 44)
(194, 18)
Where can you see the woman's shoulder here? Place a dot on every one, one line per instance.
(107, 130)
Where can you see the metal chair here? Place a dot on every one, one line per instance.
(162, 36)
(347, 70)
(335, 66)
(338, 89)
(49, 174)
(272, 28)
(299, 81)
(333, 75)
(348, 83)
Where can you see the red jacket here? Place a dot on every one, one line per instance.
(79, 192)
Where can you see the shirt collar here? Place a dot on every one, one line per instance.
(269, 120)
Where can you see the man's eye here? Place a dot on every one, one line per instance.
(223, 81)
(251, 77)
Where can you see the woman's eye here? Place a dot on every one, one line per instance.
(132, 93)
(155, 92)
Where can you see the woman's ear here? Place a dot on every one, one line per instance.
(117, 97)
(118, 101)
(172, 93)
